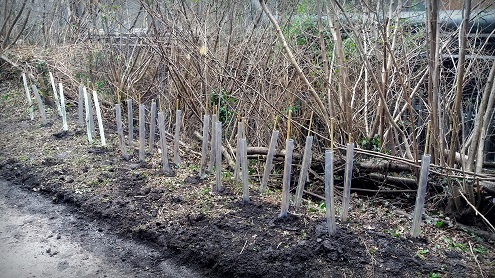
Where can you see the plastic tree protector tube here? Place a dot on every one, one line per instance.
(420, 196)
(329, 194)
(269, 161)
(28, 96)
(100, 120)
(204, 146)
(289, 146)
(62, 104)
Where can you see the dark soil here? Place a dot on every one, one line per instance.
(215, 233)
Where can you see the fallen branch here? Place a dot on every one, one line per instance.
(401, 181)
(472, 230)
(488, 186)
(476, 259)
(12, 63)
(382, 166)
(410, 183)
(361, 190)
(355, 189)
(264, 151)
(478, 213)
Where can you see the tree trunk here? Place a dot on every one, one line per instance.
(321, 106)
(454, 139)
(344, 100)
(323, 53)
(478, 122)
(433, 80)
(486, 121)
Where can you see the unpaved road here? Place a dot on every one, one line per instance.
(42, 239)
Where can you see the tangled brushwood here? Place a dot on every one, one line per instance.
(388, 73)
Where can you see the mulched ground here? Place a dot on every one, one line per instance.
(215, 232)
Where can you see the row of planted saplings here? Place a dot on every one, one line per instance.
(241, 163)
(212, 149)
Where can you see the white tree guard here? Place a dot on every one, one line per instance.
(420, 196)
(88, 115)
(289, 147)
(329, 193)
(55, 94)
(65, 127)
(269, 161)
(40, 106)
(100, 120)
(204, 147)
(28, 96)
(304, 171)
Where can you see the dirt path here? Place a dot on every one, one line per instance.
(42, 239)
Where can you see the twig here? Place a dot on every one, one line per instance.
(475, 259)
(477, 212)
(472, 230)
(373, 261)
(245, 243)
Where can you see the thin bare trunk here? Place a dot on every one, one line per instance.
(486, 121)
(6, 15)
(6, 40)
(381, 93)
(324, 60)
(454, 139)
(432, 7)
(301, 74)
(344, 100)
(478, 122)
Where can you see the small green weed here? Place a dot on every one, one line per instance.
(304, 234)
(227, 175)
(395, 232)
(5, 96)
(272, 192)
(205, 201)
(434, 275)
(454, 245)
(422, 252)
(252, 167)
(170, 186)
(205, 191)
(370, 143)
(480, 249)
(193, 167)
(96, 183)
(23, 158)
(80, 161)
(317, 208)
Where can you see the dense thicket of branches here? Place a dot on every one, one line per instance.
(382, 70)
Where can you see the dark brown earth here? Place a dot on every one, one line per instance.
(215, 233)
